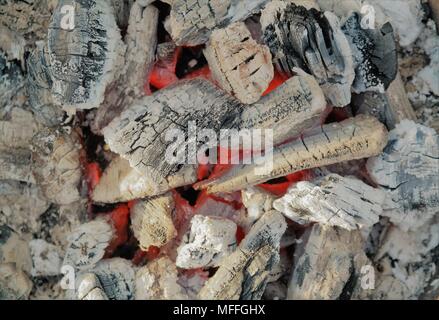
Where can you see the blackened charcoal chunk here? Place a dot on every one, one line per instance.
(84, 46)
(375, 55)
(312, 41)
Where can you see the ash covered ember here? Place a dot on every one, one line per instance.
(219, 150)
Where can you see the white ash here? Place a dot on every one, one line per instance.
(87, 244)
(151, 221)
(257, 202)
(90, 288)
(14, 283)
(158, 280)
(192, 283)
(210, 240)
(45, 258)
(408, 170)
(334, 200)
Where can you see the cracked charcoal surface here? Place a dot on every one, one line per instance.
(312, 41)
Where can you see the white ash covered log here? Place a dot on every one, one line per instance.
(327, 265)
(244, 274)
(129, 82)
(158, 280)
(334, 200)
(257, 202)
(87, 244)
(313, 41)
(139, 134)
(238, 63)
(354, 138)
(408, 170)
(191, 22)
(90, 288)
(14, 283)
(151, 221)
(84, 52)
(209, 241)
(14, 249)
(56, 164)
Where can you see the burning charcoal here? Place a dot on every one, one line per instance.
(257, 203)
(14, 283)
(139, 134)
(191, 22)
(344, 202)
(128, 85)
(87, 244)
(244, 273)
(14, 250)
(45, 258)
(39, 86)
(56, 165)
(84, 51)
(312, 41)
(90, 288)
(354, 138)
(158, 281)
(240, 65)
(210, 240)
(151, 221)
(408, 170)
(327, 264)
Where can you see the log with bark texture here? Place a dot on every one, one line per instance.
(335, 201)
(151, 221)
(354, 138)
(87, 244)
(39, 86)
(14, 283)
(244, 274)
(327, 265)
(114, 277)
(312, 41)
(82, 61)
(191, 22)
(209, 241)
(56, 165)
(129, 84)
(158, 281)
(240, 65)
(408, 169)
(139, 134)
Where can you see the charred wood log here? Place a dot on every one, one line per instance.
(140, 133)
(354, 138)
(191, 22)
(84, 51)
(244, 274)
(312, 41)
(240, 65)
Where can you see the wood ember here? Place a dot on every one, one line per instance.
(327, 264)
(312, 41)
(354, 138)
(244, 274)
(14, 283)
(114, 278)
(339, 201)
(191, 22)
(257, 202)
(56, 164)
(87, 244)
(158, 280)
(139, 134)
(14, 249)
(209, 241)
(45, 258)
(408, 169)
(151, 221)
(240, 65)
(83, 61)
(16, 165)
(128, 84)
